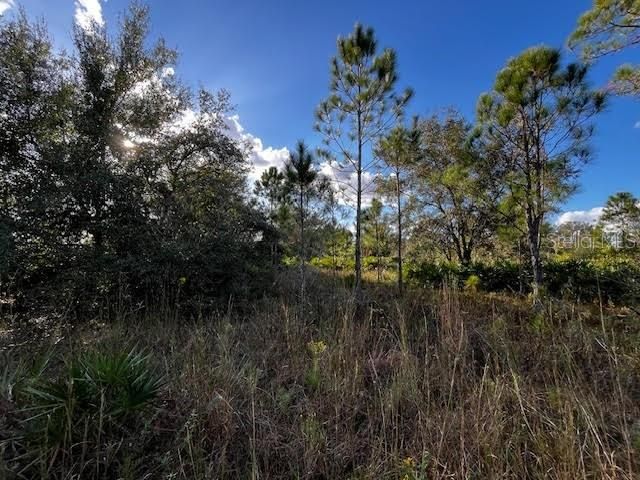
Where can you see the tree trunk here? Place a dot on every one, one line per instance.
(274, 243)
(535, 234)
(466, 258)
(302, 245)
(358, 266)
(536, 261)
(378, 256)
(398, 197)
(520, 266)
(467, 251)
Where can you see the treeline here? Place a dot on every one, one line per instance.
(479, 193)
(121, 186)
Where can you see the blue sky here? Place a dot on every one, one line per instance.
(273, 55)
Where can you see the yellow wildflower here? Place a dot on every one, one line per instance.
(316, 348)
(409, 462)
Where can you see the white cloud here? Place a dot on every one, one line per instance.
(637, 124)
(6, 5)
(263, 157)
(260, 157)
(582, 216)
(88, 13)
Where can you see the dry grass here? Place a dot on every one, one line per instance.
(440, 385)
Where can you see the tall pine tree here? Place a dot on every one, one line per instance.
(362, 105)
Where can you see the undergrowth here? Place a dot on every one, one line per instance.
(442, 384)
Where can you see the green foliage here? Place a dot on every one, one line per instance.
(299, 170)
(433, 274)
(377, 238)
(400, 148)
(459, 186)
(537, 119)
(622, 212)
(106, 197)
(301, 178)
(472, 283)
(609, 27)
(97, 399)
(377, 263)
(584, 280)
(626, 80)
(337, 249)
(617, 282)
(362, 105)
(271, 186)
(316, 350)
(341, 262)
(412, 469)
(114, 385)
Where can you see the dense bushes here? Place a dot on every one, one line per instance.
(502, 276)
(342, 262)
(591, 280)
(119, 185)
(578, 279)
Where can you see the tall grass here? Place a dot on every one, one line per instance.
(443, 384)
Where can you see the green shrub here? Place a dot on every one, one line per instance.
(312, 377)
(593, 280)
(96, 401)
(371, 262)
(472, 283)
(430, 274)
(577, 279)
(329, 263)
(502, 276)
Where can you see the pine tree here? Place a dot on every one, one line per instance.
(539, 114)
(362, 105)
(399, 150)
(301, 176)
(273, 189)
(271, 186)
